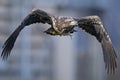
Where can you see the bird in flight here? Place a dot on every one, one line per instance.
(64, 26)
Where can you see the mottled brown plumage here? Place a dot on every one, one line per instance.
(94, 26)
(65, 26)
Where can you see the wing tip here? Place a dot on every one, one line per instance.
(110, 57)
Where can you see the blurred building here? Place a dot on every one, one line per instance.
(37, 56)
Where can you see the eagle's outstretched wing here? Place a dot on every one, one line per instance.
(36, 16)
(94, 26)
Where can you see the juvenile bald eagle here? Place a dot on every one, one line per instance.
(65, 26)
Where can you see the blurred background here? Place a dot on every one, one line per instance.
(37, 56)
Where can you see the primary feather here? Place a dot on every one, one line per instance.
(37, 16)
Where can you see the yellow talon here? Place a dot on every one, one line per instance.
(53, 32)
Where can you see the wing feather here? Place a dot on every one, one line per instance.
(36, 16)
(94, 26)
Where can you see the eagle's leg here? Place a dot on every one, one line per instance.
(51, 31)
